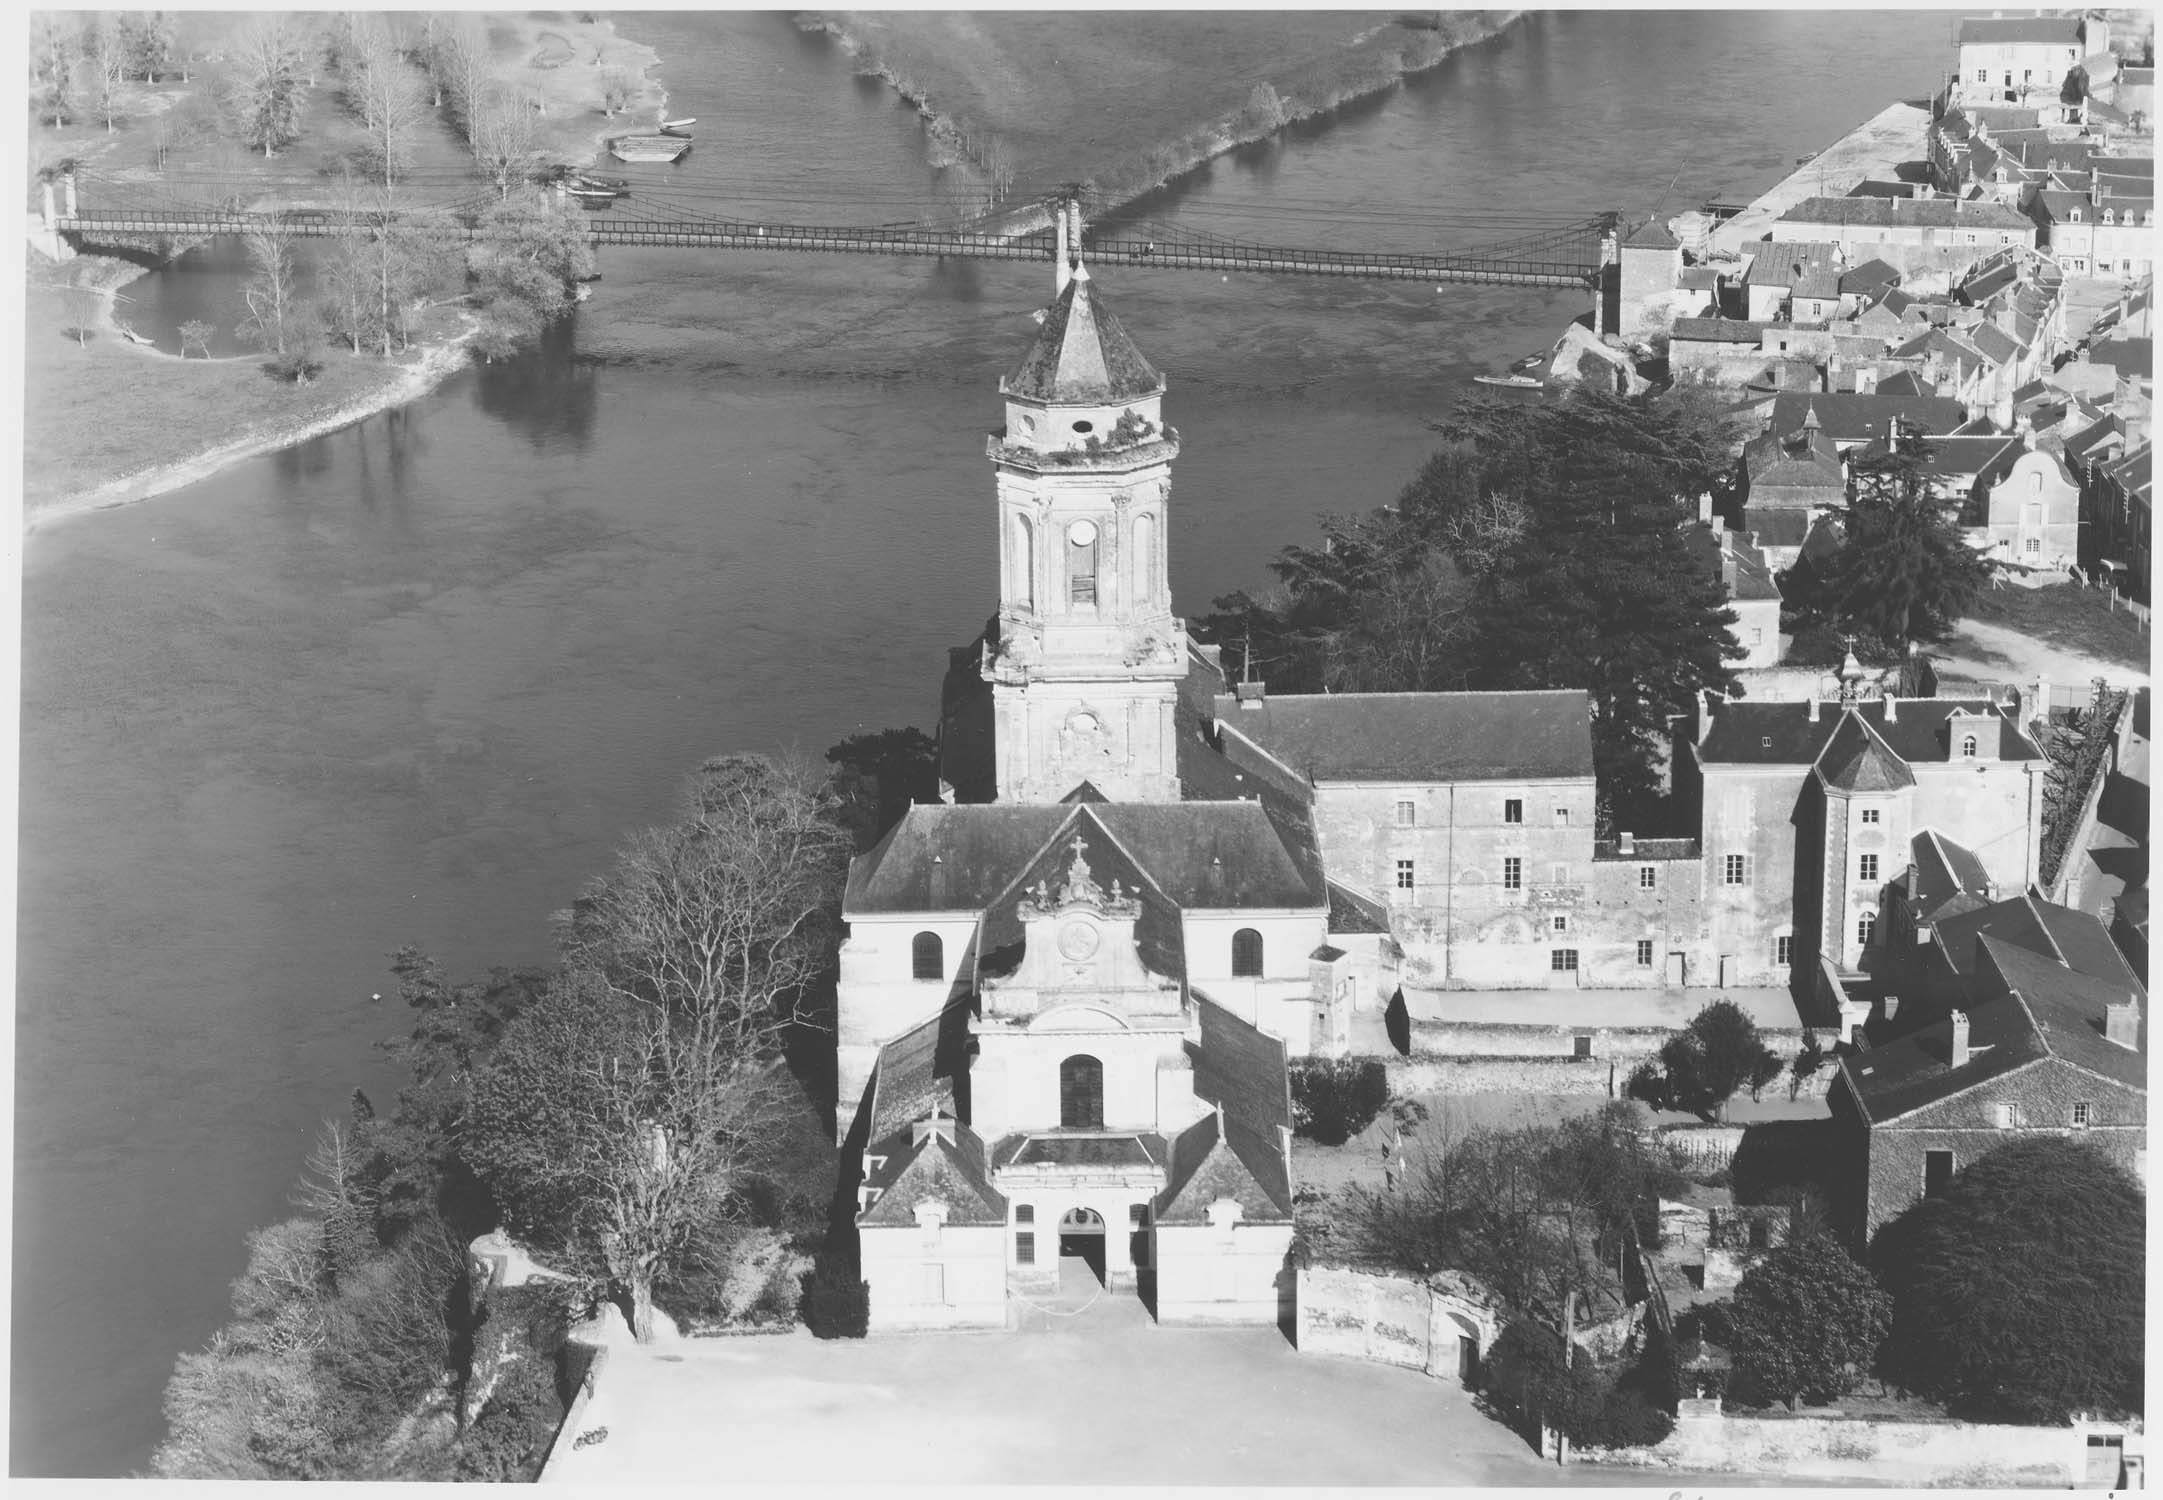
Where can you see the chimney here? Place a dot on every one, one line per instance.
(1813, 708)
(1250, 695)
(2121, 1022)
(1892, 1006)
(1704, 507)
(1626, 842)
(1959, 1057)
(1892, 708)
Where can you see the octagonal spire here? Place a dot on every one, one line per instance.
(1082, 355)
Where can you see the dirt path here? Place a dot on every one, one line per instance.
(1995, 653)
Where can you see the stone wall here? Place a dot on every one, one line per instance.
(1394, 1320)
(1960, 1454)
(1501, 1075)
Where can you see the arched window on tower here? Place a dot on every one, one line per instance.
(927, 957)
(1081, 1093)
(1024, 562)
(1081, 563)
(1246, 954)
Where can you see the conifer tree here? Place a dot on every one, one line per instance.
(1903, 572)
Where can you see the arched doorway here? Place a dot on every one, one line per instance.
(1081, 1239)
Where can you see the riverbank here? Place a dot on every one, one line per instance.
(84, 451)
(1017, 86)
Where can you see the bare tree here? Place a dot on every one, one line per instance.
(461, 64)
(617, 87)
(622, 1114)
(274, 314)
(103, 68)
(346, 274)
(82, 302)
(391, 101)
(269, 62)
(505, 135)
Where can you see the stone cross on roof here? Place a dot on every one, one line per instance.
(1080, 884)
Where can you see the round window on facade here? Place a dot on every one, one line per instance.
(1085, 427)
(1082, 533)
(1028, 425)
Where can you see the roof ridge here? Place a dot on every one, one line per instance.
(2043, 922)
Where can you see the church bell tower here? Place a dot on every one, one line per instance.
(1085, 657)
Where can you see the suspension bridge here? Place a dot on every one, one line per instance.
(91, 209)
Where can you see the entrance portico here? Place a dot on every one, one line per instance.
(1073, 1194)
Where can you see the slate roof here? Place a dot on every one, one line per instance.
(1899, 1077)
(1159, 934)
(918, 1172)
(1785, 264)
(1786, 458)
(1883, 213)
(1082, 354)
(1955, 457)
(1777, 525)
(1855, 759)
(917, 1070)
(2126, 356)
(1196, 854)
(1234, 1162)
(1349, 911)
(1526, 736)
(1995, 344)
(2068, 1011)
(1948, 877)
(1907, 383)
(2017, 31)
(1850, 417)
(1652, 235)
(1748, 733)
(1871, 277)
(2074, 939)
(1718, 331)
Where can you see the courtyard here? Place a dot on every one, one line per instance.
(1087, 1391)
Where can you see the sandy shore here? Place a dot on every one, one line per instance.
(409, 382)
(562, 63)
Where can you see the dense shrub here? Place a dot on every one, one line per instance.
(836, 1302)
(2019, 1294)
(507, 1442)
(1626, 1418)
(1334, 1099)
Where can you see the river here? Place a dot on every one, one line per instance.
(413, 681)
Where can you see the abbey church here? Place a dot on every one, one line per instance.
(1069, 991)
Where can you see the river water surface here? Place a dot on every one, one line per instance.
(411, 682)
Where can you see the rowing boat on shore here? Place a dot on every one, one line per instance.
(1511, 382)
(679, 127)
(661, 148)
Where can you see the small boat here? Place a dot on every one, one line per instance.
(679, 127)
(1529, 362)
(587, 182)
(593, 198)
(661, 148)
(1511, 382)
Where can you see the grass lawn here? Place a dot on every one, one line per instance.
(77, 435)
(2068, 616)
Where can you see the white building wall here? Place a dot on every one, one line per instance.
(1211, 1275)
(953, 1277)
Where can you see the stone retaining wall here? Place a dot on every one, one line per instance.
(1971, 1455)
(1502, 1075)
(1394, 1320)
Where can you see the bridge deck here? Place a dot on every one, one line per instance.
(1570, 263)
